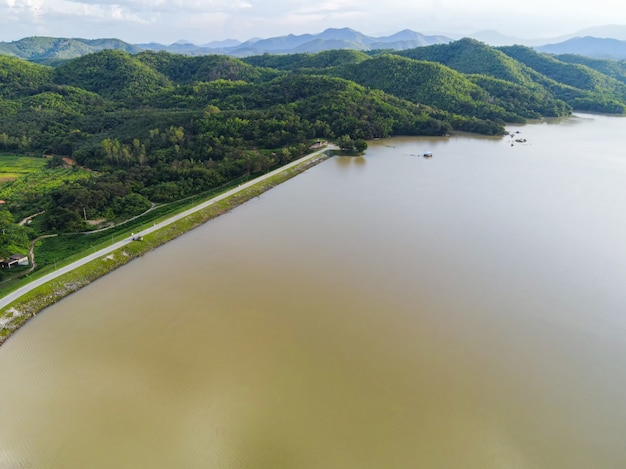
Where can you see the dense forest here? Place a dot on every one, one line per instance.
(123, 131)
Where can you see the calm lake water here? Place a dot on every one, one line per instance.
(388, 311)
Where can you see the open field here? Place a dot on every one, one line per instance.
(12, 167)
(27, 189)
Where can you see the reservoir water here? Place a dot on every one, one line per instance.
(465, 310)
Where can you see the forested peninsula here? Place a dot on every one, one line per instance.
(120, 134)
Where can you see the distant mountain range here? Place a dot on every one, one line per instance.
(599, 48)
(608, 42)
(330, 39)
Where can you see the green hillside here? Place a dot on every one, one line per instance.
(521, 100)
(19, 77)
(581, 86)
(348, 107)
(576, 75)
(425, 83)
(611, 68)
(112, 74)
(473, 57)
(182, 69)
(331, 58)
(49, 49)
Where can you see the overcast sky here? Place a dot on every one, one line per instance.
(167, 21)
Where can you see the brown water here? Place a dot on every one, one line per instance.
(388, 311)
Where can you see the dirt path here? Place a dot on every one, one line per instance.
(31, 251)
(152, 207)
(27, 219)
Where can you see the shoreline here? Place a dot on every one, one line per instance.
(17, 313)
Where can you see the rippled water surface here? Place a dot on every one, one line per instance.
(393, 311)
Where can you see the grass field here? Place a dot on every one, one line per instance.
(13, 167)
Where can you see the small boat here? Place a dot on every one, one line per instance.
(428, 154)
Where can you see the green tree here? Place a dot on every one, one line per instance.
(345, 143)
(360, 145)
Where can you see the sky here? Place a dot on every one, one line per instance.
(200, 22)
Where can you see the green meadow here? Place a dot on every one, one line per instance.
(13, 167)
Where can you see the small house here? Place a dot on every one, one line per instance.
(14, 260)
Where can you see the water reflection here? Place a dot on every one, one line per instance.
(345, 162)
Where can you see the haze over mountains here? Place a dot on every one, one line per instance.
(330, 39)
(588, 46)
(606, 42)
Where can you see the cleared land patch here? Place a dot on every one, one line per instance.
(13, 167)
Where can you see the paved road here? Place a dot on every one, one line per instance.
(11, 297)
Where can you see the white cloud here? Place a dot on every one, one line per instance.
(168, 6)
(40, 9)
(48, 13)
(326, 7)
(204, 20)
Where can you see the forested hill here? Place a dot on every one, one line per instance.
(579, 85)
(157, 127)
(54, 49)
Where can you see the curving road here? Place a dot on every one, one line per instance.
(11, 297)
